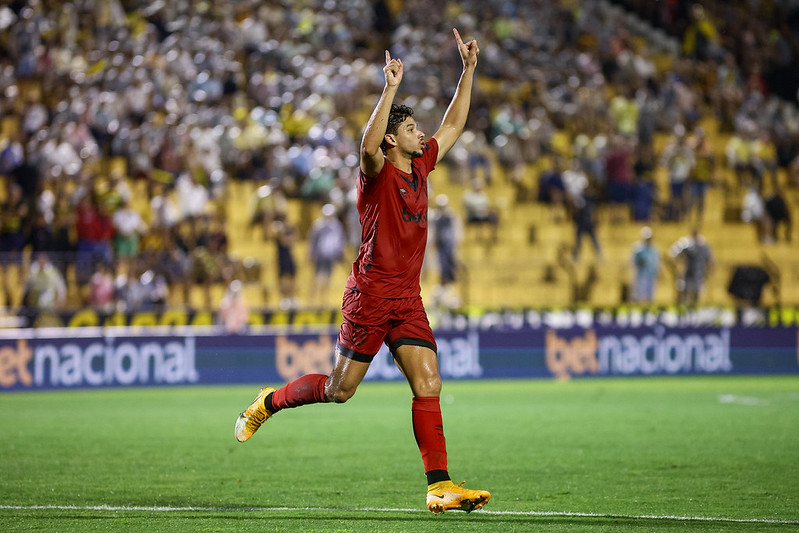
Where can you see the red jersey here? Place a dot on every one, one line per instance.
(393, 212)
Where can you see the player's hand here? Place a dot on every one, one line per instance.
(393, 71)
(468, 50)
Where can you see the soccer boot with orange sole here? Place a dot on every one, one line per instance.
(447, 496)
(251, 419)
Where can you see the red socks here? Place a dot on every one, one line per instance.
(306, 389)
(428, 428)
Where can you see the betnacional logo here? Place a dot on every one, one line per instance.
(97, 363)
(14, 365)
(571, 357)
(660, 352)
(294, 359)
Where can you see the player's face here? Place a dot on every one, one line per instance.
(410, 139)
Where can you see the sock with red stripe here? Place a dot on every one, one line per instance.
(304, 390)
(428, 428)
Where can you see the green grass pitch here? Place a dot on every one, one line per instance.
(640, 454)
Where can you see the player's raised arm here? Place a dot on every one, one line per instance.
(455, 116)
(371, 154)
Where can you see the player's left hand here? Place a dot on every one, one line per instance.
(468, 50)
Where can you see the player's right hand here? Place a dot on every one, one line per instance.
(393, 70)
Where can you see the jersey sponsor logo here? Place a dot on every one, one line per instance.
(417, 218)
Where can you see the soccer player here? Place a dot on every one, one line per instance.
(382, 300)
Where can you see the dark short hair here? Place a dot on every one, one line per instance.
(396, 116)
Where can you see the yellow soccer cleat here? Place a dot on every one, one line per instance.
(446, 496)
(256, 414)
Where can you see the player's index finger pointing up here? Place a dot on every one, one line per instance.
(388, 57)
(457, 36)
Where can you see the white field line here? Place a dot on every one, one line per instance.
(160, 509)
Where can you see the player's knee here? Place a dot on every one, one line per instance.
(338, 394)
(428, 386)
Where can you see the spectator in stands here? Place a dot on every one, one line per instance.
(63, 228)
(60, 156)
(447, 235)
(172, 253)
(739, 152)
(479, 212)
(457, 163)
(192, 196)
(575, 182)
(117, 192)
(701, 39)
(646, 264)
(268, 200)
(95, 230)
(679, 160)
(728, 93)
(28, 175)
(286, 235)
(591, 150)
(234, 313)
(169, 160)
(644, 191)
(624, 113)
(694, 259)
(12, 155)
(551, 189)
(143, 290)
(778, 213)
(163, 211)
(101, 294)
(584, 217)
(35, 117)
(128, 230)
(327, 243)
(620, 177)
(702, 173)
(507, 125)
(764, 158)
(45, 288)
(479, 158)
(40, 236)
(344, 196)
(753, 211)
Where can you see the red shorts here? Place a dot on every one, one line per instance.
(370, 321)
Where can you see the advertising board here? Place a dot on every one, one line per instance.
(32, 359)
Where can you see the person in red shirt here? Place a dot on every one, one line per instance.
(95, 230)
(382, 302)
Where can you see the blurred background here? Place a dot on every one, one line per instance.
(202, 155)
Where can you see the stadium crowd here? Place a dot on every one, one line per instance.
(192, 94)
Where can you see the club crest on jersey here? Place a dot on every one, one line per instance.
(403, 192)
